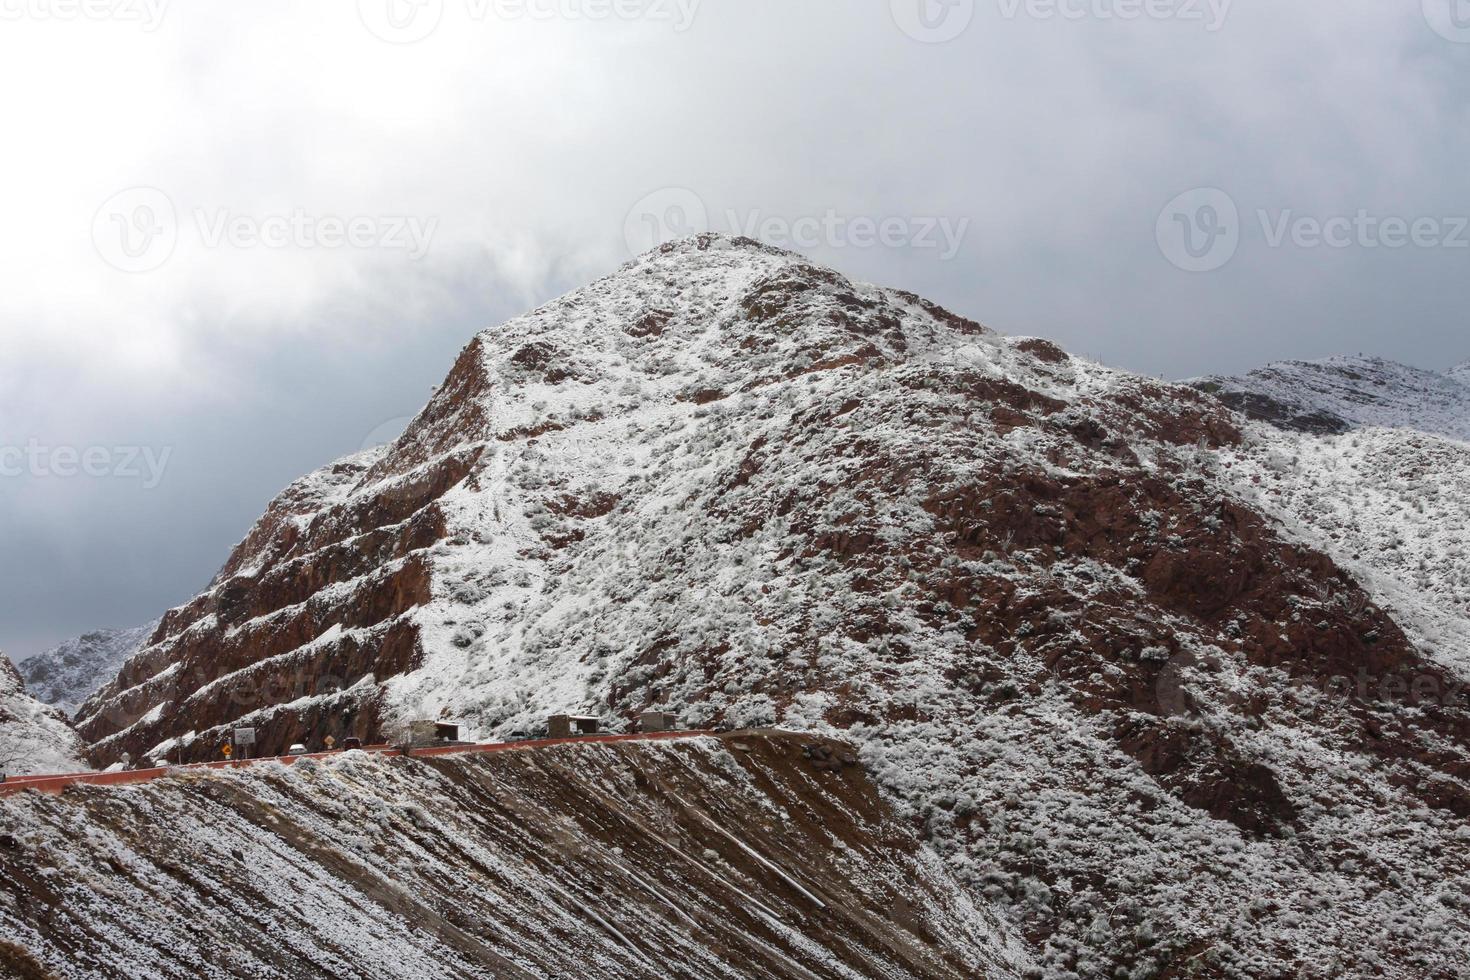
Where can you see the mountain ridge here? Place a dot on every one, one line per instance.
(67, 674)
(1335, 394)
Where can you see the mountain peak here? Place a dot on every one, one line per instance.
(731, 483)
(717, 241)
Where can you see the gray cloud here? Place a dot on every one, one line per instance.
(272, 318)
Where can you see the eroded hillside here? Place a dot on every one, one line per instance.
(750, 855)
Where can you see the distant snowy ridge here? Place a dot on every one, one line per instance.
(1336, 394)
(70, 672)
(34, 737)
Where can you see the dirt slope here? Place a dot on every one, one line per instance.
(749, 855)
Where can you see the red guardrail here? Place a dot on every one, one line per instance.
(55, 784)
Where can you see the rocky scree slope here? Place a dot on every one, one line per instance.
(1351, 391)
(70, 672)
(34, 737)
(755, 855)
(1102, 682)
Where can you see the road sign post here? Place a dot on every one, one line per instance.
(244, 741)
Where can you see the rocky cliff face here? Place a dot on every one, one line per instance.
(1340, 393)
(68, 674)
(1159, 723)
(33, 736)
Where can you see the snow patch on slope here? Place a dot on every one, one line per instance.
(1392, 505)
(34, 738)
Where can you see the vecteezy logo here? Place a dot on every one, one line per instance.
(400, 21)
(969, 357)
(1172, 686)
(664, 215)
(1449, 18)
(136, 230)
(933, 21)
(398, 487)
(1187, 675)
(385, 434)
(1199, 231)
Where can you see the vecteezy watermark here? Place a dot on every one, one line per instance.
(1211, 14)
(40, 461)
(1363, 230)
(678, 212)
(300, 229)
(933, 21)
(938, 21)
(1201, 230)
(408, 21)
(147, 14)
(137, 230)
(1188, 680)
(398, 486)
(1450, 19)
(400, 21)
(663, 216)
(243, 690)
(386, 433)
(836, 230)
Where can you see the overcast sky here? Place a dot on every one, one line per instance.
(241, 239)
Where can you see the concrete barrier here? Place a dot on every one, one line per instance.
(54, 785)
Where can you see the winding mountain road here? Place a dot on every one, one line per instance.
(56, 783)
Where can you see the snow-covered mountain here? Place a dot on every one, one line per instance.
(69, 673)
(34, 737)
(1340, 393)
(1110, 674)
